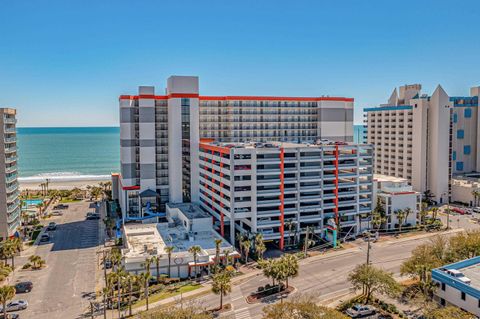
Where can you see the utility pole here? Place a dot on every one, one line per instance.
(104, 304)
(368, 248)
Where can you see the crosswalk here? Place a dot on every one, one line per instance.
(242, 313)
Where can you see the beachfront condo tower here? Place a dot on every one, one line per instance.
(9, 201)
(426, 139)
(163, 139)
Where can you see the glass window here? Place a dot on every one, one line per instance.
(455, 117)
(463, 295)
(466, 149)
(454, 155)
(459, 166)
(468, 112)
(460, 133)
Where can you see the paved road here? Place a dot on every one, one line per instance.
(324, 278)
(61, 290)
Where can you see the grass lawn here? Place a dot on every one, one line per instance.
(168, 293)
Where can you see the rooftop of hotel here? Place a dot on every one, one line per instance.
(144, 240)
(470, 268)
(388, 178)
(276, 144)
(190, 210)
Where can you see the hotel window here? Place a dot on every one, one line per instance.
(466, 149)
(459, 166)
(454, 155)
(455, 117)
(460, 134)
(443, 286)
(463, 295)
(468, 112)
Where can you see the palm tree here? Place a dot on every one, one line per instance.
(6, 294)
(115, 257)
(423, 212)
(247, 244)
(290, 265)
(218, 244)
(156, 259)
(169, 250)
(227, 253)
(195, 250)
(260, 247)
(400, 217)
(240, 238)
(408, 211)
(221, 285)
(37, 261)
(476, 196)
(143, 279)
(434, 213)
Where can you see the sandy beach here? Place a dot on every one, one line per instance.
(54, 183)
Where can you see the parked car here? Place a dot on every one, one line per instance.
(458, 211)
(107, 264)
(45, 238)
(16, 305)
(24, 286)
(60, 206)
(51, 226)
(476, 209)
(10, 316)
(358, 311)
(93, 216)
(57, 213)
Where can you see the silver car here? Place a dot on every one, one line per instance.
(16, 305)
(358, 311)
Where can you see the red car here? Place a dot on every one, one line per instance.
(458, 211)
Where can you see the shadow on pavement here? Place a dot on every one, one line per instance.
(75, 235)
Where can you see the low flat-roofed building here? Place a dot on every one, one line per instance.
(187, 225)
(395, 193)
(459, 285)
(463, 188)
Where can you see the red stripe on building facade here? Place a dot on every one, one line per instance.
(336, 185)
(282, 199)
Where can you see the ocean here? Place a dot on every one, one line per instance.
(75, 153)
(68, 153)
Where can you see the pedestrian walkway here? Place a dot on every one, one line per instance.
(242, 313)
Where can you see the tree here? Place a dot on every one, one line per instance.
(195, 250)
(401, 216)
(378, 215)
(260, 247)
(449, 312)
(169, 250)
(476, 196)
(239, 238)
(143, 279)
(247, 244)
(434, 213)
(221, 285)
(174, 312)
(300, 308)
(289, 265)
(218, 245)
(373, 280)
(268, 268)
(428, 197)
(36, 261)
(6, 294)
(423, 213)
(156, 259)
(148, 264)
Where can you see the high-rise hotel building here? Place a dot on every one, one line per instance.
(9, 202)
(425, 139)
(163, 138)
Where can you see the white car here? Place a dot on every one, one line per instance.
(360, 311)
(16, 305)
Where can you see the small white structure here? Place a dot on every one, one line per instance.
(396, 194)
(187, 226)
(463, 188)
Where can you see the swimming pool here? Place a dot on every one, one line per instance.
(32, 202)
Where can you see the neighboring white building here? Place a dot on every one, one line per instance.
(463, 188)
(278, 189)
(426, 139)
(396, 194)
(10, 218)
(187, 225)
(160, 135)
(458, 284)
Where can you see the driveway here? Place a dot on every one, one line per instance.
(62, 289)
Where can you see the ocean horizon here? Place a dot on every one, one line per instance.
(75, 153)
(67, 153)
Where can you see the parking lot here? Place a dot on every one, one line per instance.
(62, 289)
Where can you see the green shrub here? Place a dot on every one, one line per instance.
(27, 266)
(35, 234)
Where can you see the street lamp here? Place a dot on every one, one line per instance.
(448, 210)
